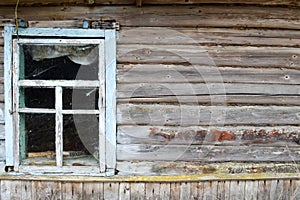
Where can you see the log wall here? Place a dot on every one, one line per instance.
(196, 84)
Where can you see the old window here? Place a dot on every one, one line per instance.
(60, 100)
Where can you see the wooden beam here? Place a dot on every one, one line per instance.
(139, 3)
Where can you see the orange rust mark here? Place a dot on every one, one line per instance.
(222, 135)
(168, 135)
(273, 133)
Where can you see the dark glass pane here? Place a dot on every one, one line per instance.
(61, 62)
(80, 99)
(37, 98)
(37, 139)
(81, 140)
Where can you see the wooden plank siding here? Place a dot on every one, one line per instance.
(269, 189)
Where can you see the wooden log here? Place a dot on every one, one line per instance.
(216, 100)
(148, 90)
(206, 153)
(160, 73)
(187, 115)
(230, 135)
(229, 56)
(208, 36)
(179, 16)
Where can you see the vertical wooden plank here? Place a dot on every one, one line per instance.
(279, 189)
(27, 190)
(15, 96)
(251, 188)
(101, 106)
(16, 190)
(185, 190)
(200, 190)
(124, 191)
(47, 190)
(221, 190)
(268, 189)
(152, 191)
(92, 191)
(295, 189)
(110, 68)
(287, 189)
(237, 190)
(194, 190)
(58, 126)
(210, 190)
(71, 191)
(5, 189)
(9, 136)
(261, 192)
(138, 191)
(111, 190)
(227, 190)
(164, 191)
(175, 191)
(273, 188)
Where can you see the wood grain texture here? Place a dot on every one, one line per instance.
(179, 16)
(207, 153)
(227, 56)
(187, 115)
(160, 73)
(207, 36)
(150, 2)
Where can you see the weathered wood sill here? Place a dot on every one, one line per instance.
(132, 179)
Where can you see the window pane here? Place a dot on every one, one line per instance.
(37, 139)
(80, 99)
(37, 98)
(60, 62)
(81, 140)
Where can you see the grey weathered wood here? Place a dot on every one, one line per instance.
(273, 189)
(221, 190)
(208, 36)
(220, 99)
(295, 188)
(228, 56)
(93, 191)
(111, 111)
(138, 191)
(164, 191)
(185, 190)
(251, 188)
(287, 190)
(152, 191)
(10, 189)
(190, 16)
(47, 190)
(149, 90)
(174, 190)
(59, 126)
(111, 190)
(71, 190)
(186, 115)
(9, 127)
(124, 191)
(206, 153)
(28, 191)
(161, 73)
(199, 135)
(195, 191)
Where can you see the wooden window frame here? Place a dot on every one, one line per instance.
(106, 39)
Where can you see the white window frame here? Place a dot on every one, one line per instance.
(106, 39)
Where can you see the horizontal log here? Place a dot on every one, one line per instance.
(150, 2)
(168, 16)
(257, 2)
(220, 99)
(209, 36)
(189, 115)
(229, 136)
(280, 57)
(190, 168)
(206, 153)
(159, 73)
(147, 90)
